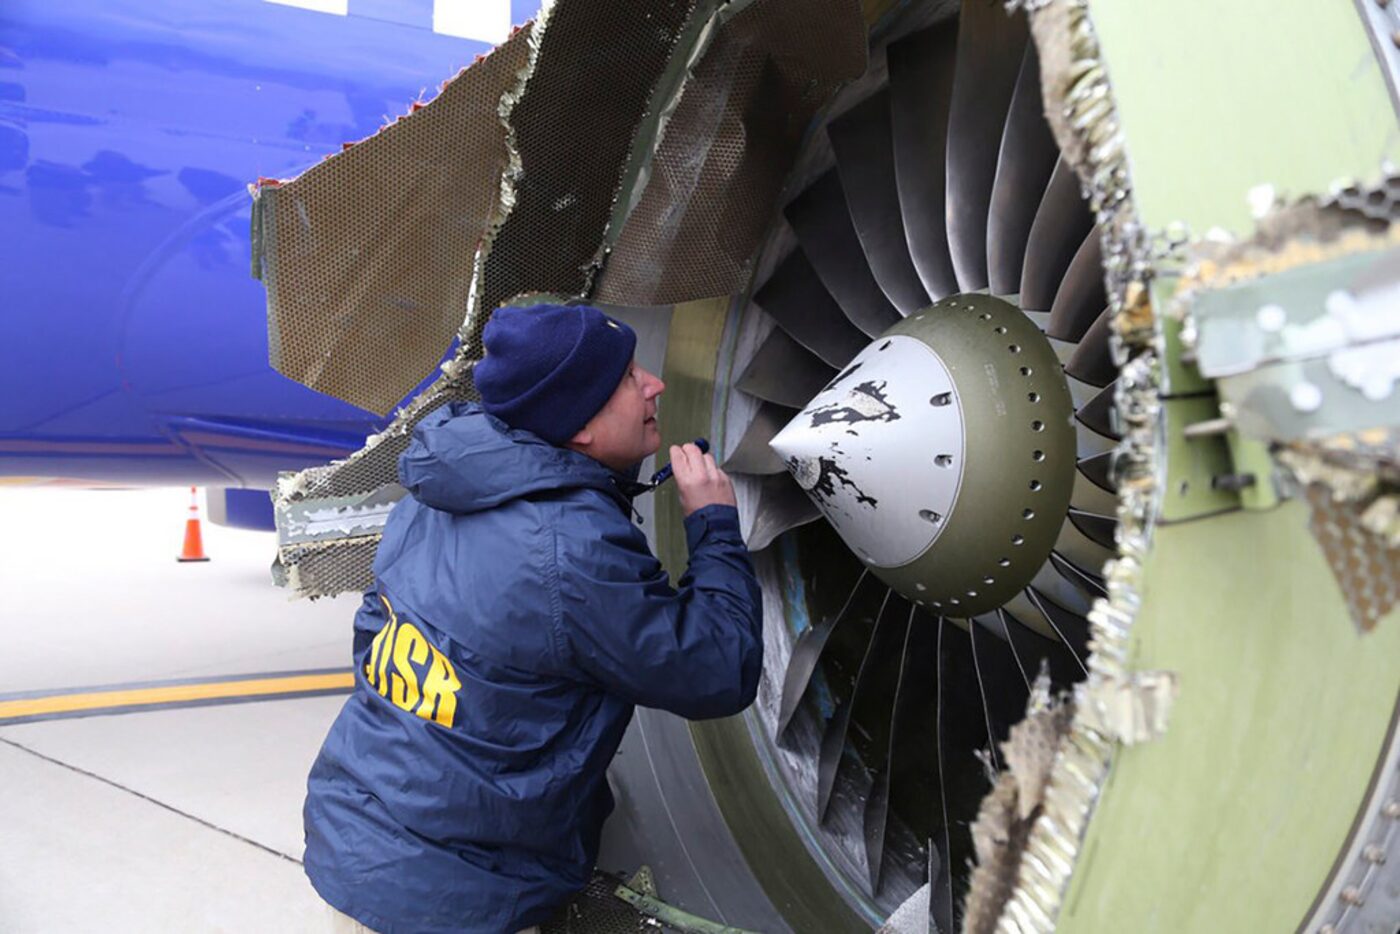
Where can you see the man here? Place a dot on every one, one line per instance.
(516, 617)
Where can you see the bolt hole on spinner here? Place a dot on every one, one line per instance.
(941, 383)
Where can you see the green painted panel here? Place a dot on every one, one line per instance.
(1193, 463)
(684, 410)
(1232, 821)
(1216, 98)
(1178, 377)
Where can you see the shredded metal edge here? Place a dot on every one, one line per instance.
(291, 486)
(1082, 111)
(514, 169)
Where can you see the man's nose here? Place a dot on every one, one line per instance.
(656, 386)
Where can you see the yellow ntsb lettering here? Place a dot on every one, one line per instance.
(411, 654)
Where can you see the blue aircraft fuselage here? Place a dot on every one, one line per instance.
(134, 339)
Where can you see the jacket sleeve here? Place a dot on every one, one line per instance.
(697, 652)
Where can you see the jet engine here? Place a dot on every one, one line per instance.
(1051, 347)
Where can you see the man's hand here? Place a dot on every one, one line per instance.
(698, 480)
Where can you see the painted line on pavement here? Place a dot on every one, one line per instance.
(27, 707)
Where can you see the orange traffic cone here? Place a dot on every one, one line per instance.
(194, 541)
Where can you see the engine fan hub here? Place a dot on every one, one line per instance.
(944, 454)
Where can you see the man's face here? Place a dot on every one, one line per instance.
(624, 431)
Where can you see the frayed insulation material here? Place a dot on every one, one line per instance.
(553, 210)
(367, 256)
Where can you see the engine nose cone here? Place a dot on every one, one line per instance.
(883, 440)
(943, 455)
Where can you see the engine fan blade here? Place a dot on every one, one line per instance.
(1072, 628)
(904, 773)
(1092, 444)
(990, 48)
(752, 455)
(806, 653)
(785, 372)
(1099, 470)
(1080, 394)
(1093, 360)
(796, 299)
(862, 140)
(960, 736)
(1081, 296)
(1023, 612)
(1064, 350)
(875, 705)
(1098, 528)
(1093, 582)
(1061, 222)
(921, 89)
(1099, 414)
(1003, 704)
(1082, 551)
(1088, 496)
(1027, 157)
(1036, 650)
(835, 737)
(781, 506)
(1002, 625)
(819, 218)
(1069, 592)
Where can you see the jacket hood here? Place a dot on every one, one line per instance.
(462, 460)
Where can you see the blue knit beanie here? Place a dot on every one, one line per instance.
(549, 368)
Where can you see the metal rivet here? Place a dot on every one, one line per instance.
(989, 580)
(1025, 371)
(1271, 318)
(1005, 562)
(953, 600)
(1037, 425)
(1037, 456)
(1339, 303)
(920, 587)
(1327, 929)
(999, 330)
(944, 460)
(1392, 809)
(972, 593)
(930, 516)
(986, 316)
(1014, 348)
(943, 398)
(1034, 396)
(1035, 486)
(1018, 539)
(1027, 513)
(1352, 896)
(1373, 854)
(1395, 38)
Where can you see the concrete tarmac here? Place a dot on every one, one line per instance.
(153, 818)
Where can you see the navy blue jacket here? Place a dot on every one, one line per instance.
(517, 617)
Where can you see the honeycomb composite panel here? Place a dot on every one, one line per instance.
(553, 163)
